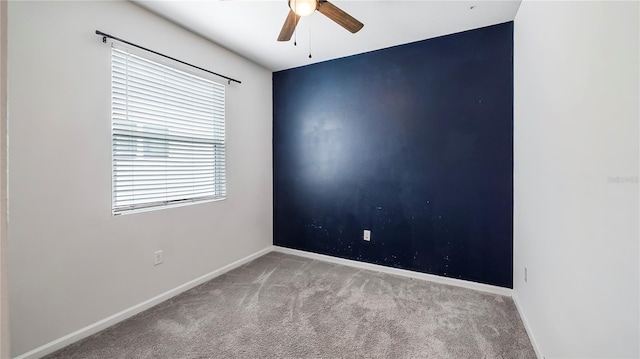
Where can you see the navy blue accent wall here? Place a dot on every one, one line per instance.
(413, 142)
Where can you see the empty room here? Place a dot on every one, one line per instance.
(319, 179)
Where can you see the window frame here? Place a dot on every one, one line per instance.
(219, 180)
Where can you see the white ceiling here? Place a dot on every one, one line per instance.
(250, 28)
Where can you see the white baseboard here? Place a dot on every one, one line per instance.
(399, 272)
(129, 312)
(532, 339)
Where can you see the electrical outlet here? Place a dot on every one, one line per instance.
(525, 274)
(157, 257)
(367, 235)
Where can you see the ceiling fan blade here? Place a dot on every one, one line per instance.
(340, 17)
(289, 26)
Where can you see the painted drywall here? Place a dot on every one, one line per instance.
(71, 262)
(4, 269)
(413, 143)
(576, 176)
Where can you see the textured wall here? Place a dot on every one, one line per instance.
(412, 142)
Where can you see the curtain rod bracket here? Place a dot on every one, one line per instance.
(104, 39)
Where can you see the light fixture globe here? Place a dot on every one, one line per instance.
(303, 7)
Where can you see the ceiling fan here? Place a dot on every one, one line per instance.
(299, 8)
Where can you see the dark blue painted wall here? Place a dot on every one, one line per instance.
(413, 142)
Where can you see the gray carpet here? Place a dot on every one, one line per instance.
(284, 306)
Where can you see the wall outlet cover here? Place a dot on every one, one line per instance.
(157, 257)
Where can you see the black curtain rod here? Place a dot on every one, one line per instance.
(104, 39)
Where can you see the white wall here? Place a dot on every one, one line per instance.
(576, 130)
(4, 272)
(71, 262)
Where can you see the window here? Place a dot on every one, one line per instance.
(168, 135)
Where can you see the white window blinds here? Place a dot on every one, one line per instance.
(168, 135)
